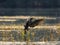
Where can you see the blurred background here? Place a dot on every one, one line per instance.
(30, 7)
(12, 13)
(29, 3)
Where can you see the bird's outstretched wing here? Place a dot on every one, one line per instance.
(36, 22)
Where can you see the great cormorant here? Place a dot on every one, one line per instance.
(32, 23)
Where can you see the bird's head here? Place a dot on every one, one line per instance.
(31, 18)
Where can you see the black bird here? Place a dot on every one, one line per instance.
(32, 23)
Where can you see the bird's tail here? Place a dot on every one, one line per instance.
(25, 31)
